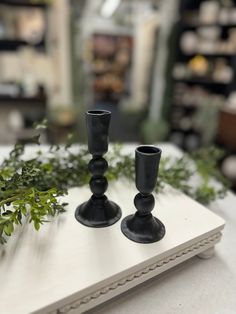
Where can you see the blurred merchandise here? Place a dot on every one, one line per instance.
(207, 115)
(15, 121)
(204, 71)
(211, 31)
(31, 26)
(63, 116)
(198, 66)
(224, 16)
(9, 89)
(194, 96)
(22, 24)
(111, 66)
(27, 90)
(209, 12)
(216, 70)
(189, 42)
(192, 141)
(228, 168)
(222, 72)
(159, 78)
(231, 102)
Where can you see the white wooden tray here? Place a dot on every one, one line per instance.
(69, 268)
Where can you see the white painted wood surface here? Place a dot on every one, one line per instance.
(66, 263)
(58, 269)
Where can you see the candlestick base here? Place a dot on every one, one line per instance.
(143, 229)
(98, 212)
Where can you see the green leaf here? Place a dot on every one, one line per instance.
(36, 225)
(8, 228)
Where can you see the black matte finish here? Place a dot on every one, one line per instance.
(147, 159)
(98, 122)
(145, 229)
(142, 227)
(98, 211)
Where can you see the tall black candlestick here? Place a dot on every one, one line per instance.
(98, 211)
(143, 227)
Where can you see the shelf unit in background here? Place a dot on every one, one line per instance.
(31, 108)
(181, 111)
(10, 44)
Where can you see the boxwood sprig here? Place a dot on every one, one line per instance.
(30, 189)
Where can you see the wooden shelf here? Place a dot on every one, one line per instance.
(186, 107)
(22, 99)
(200, 81)
(24, 3)
(209, 54)
(199, 24)
(14, 44)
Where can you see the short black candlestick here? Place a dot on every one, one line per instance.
(143, 227)
(98, 211)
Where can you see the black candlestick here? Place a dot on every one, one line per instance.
(142, 227)
(98, 211)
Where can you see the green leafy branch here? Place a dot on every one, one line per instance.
(29, 189)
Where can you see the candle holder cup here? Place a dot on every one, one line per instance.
(98, 211)
(143, 227)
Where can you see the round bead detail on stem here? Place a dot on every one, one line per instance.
(144, 203)
(98, 166)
